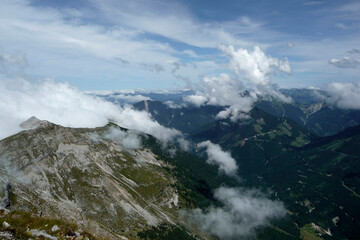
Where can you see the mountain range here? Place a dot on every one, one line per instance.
(300, 158)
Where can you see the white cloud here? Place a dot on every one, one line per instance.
(255, 65)
(223, 91)
(198, 99)
(218, 157)
(344, 95)
(234, 112)
(128, 139)
(242, 213)
(174, 21)
(230, 92)
(62, 104)
(129, 98)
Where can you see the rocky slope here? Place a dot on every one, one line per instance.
(98, 178)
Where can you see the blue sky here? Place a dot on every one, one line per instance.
(115, 44)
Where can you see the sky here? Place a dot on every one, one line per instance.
(117, 45)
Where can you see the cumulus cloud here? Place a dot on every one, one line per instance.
(224, 91)
(344, 95)
(198, 99)
(174, 105)
(234, 112)
(242, 213)
(216, 156)
(255, 65)
(62, 104)
(235, 93)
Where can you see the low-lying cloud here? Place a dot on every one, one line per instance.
(344, 95)
(242, 213)
(216, 156)
(128, 139)
(63, 104)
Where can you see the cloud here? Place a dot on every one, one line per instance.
(12, 63)
(123, 61)
(344, 95)
(128, 139)
(128, 98)
(218, 157)
(234, 112)
(243, 212)
(63, 104)
(354, 51)
(313, 3)
(255, 65)
(172, 20)
(223, 91)
(153, 67)
(198, 100)
(191, 53)
(345, 62)
(341, 26)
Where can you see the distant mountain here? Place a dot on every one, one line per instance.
(130, 97)
(253, 142)
(304, 96)
(308, 110)
(186, 119)
(320, 118)
(317, 178)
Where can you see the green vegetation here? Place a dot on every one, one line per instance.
(20, 224)
(309, 233)
(166, 231)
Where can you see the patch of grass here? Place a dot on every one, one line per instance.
(309, 233)
(20, 222)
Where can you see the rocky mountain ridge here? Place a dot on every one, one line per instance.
(86, 176)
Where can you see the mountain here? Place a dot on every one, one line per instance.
(186, 119)
(308, 110)
(320, 118)
(317, 178)
(255, 141)
(86, 176)
(129, 97)
(304, 96)
(106, 183)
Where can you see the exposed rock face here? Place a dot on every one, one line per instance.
(5, 203)
(33, 123)
(80, 176)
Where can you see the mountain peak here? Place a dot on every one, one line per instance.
(33, 122)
